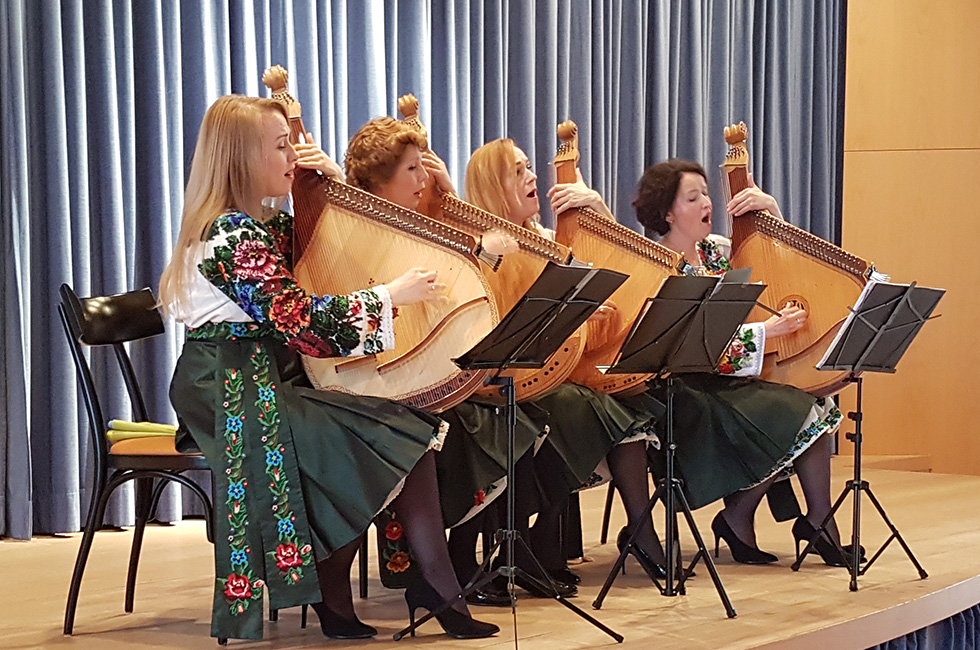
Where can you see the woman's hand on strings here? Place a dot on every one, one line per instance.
(753, 199)
(438, 172)
(790, 319)
(565, 196)
(312, 156)
(416, 285)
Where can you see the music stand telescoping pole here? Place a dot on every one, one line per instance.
(685, 328)
(559, 301)
(873, 338)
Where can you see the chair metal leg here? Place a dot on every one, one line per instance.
(144, 504)
(304, 613)
(607, 512)
(273, 615)
(92, 524)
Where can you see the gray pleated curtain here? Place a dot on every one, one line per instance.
(100, 102)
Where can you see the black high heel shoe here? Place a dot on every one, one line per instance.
(564, 574)
(803, 531)
(741, 552)
(653, 569)
(420, 594)
(335, 626)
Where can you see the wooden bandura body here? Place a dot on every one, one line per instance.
(346, 239)
(607, 244)
(798, 268)
(515, 275)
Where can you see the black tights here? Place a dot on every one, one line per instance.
(628, 465)
(418, 510)
(813, 469)
(542, 537)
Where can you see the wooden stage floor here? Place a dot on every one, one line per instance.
(937, 514)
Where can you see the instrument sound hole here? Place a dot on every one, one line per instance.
(795, 301)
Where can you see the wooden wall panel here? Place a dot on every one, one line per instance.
(912, 204)
(913, 80)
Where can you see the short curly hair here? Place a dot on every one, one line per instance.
(658, 189)
(374, 151)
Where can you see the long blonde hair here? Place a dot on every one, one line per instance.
(489, 176)
(222, 179)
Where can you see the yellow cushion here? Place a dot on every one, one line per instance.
(146, 446)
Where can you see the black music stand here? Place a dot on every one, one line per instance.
(685, 328)
(875, 336)
(559, 301)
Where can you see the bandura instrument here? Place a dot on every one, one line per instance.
(514, 276)
(799, 269)
(605, 243)
(346, 239)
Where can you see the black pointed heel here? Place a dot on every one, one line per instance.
(803, 531)
(456, 624)
(653, 569)
(741, 552)
(335, 626)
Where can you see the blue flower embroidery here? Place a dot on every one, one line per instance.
(233, 424)
(246, 300)
(273, 458)
(266, 394)
(285, 527)
(236, 490)
(239, 557)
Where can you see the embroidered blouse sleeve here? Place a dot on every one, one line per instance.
(248, 262)
(744, 355)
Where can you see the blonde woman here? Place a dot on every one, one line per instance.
(586, 427)
(299, 473)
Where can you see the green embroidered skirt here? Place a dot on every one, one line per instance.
(584, 426)
(298, 472)
(733, 432)
(472, 466)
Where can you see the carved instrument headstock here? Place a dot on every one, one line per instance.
(275, 79)
(738, 154)
(567, 157)
(408, 106)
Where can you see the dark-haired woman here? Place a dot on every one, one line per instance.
(738, 432)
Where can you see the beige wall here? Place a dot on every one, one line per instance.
(912, 205)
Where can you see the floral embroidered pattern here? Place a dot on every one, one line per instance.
(394, 557)
(739, 352)
(248, 261)
(241, 586)
(481, 495)
(712, 260)
(827, 420)
(291, 555)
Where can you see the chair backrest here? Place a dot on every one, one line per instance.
(113, 321)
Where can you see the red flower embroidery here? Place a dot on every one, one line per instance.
(253, 259)
(290, 311)
(287, 556)
(393, 530)
(726, 369)
(399, 562)
(237, 587)
(311, 345)
(479, 497)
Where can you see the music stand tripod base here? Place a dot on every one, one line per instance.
(874, 337)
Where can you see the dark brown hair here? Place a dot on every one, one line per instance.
(658, 189)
